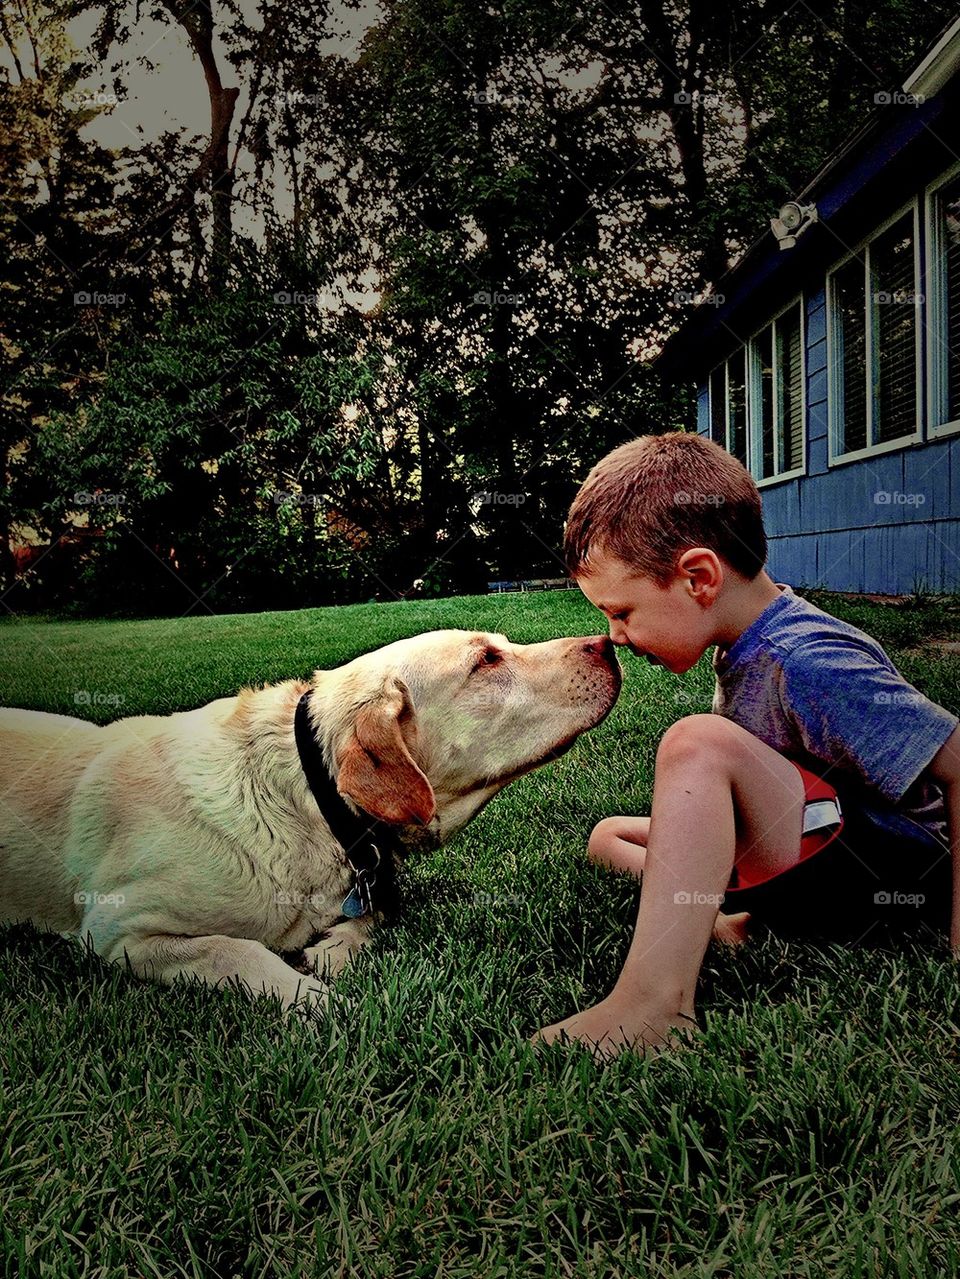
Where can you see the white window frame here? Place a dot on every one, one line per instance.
(755, 401)
(724, 364)
(726, 402)
(835, 373)
(752, 399)
(936, 430)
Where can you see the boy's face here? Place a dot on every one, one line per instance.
(670, 625)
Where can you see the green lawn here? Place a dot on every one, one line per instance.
(813, 1129)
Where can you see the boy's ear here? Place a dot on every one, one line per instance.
(703, 570)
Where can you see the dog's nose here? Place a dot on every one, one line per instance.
(600, 646)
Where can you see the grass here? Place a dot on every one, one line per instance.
(812, 1130)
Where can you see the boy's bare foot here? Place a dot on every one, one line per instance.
(731, 930)
(612, 1026)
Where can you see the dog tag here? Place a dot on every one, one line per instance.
(359, 901)
(352, 906)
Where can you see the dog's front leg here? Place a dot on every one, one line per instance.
(216, 959)
(335, 950)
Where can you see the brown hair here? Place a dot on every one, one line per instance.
(653, 498)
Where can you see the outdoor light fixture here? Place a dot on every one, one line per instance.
(792, 221)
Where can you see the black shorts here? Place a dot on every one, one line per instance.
(867, 882)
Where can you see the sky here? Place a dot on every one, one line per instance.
(163, 88)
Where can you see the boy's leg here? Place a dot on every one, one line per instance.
(719, 793)
(620, 843)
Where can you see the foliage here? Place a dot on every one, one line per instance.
(504, 208)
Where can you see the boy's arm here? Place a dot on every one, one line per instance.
(945, 769)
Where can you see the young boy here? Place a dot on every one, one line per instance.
(821, 786)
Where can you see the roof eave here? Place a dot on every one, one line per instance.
(940, 64)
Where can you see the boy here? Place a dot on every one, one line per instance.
(821, 784)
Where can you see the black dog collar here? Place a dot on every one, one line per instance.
(370, 846)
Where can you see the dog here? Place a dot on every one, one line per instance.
(211, 843)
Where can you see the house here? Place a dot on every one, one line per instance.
(828, 358)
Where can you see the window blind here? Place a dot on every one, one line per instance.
(893, 307)
(763, 345)
(948, 336)
(718, 406)
(790, 389)
(737, 391)
(849, 325)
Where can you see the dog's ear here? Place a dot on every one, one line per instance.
(376, 769)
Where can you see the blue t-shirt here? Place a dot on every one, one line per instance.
(826, 695)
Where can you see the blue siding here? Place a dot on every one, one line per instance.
(884, 525)
(889, 523)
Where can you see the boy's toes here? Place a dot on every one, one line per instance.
(731, 930)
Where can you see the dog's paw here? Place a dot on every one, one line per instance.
(333, 952)
(310, 997)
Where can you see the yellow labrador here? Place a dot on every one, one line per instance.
(211, 842)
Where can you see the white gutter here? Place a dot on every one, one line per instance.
(937, 67)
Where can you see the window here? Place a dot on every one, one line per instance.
(728, 405)
(777, 396)
(763, 393)
(737, 405)
(757, 399)
(718, 406)
(944, 275)
(874, 333)
(894, 300)
(850, 327)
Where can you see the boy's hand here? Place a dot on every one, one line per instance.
(731, 930)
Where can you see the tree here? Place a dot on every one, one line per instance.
(535, 192)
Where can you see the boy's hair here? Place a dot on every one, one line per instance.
(653, 498)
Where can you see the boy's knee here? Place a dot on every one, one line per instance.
(702, 740)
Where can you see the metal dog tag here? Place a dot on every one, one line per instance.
(359, 901)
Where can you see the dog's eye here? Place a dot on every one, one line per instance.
(489, 657)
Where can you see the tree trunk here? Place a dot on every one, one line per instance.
(215, 169)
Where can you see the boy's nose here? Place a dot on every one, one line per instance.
(618, 633)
